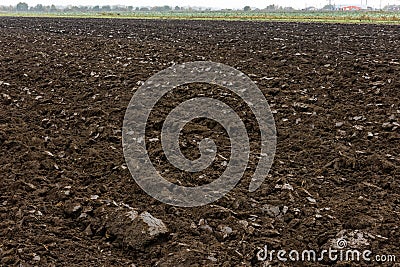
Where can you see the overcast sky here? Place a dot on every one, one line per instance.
(204, 3)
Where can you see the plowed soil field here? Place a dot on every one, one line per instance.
(68, 199)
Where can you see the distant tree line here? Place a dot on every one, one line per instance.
(23, 7)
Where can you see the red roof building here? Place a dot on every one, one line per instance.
(351, 8)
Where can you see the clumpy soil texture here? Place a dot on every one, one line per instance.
(68, 199)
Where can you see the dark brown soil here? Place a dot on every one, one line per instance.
(64, 88)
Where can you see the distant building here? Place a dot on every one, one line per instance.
(351, 8)
(392, 8)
